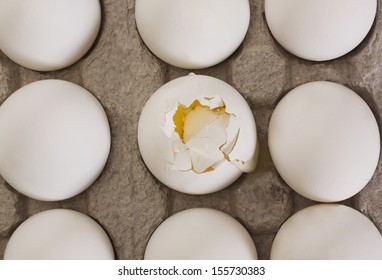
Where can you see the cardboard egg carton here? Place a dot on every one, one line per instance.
(122, 73)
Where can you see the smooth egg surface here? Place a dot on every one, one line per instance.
(48, 35)
(59, 234)
(320, 30)
(327, 232)
(54, 141)
(200, 234)
(192, 34)
(324, 141)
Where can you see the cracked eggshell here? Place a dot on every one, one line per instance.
(48, 35)
(155, 146)
(192, 34)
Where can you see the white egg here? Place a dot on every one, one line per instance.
(48, 35)
(324, 141)
(197, 135)
(59, 234)
(54, 140)
(327, 232)
(192, 34)
(320, 30)
(200, 234)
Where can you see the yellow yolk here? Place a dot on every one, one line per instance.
(190, 122)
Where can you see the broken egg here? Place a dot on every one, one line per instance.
(197, 135)
(202, 135)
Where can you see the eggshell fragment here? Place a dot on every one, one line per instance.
(200, 234)
(324, 141)
(327, 232)
(159, 144)
(320, 30)
(192, 34)
(59, 234)
(54, 140)
(48, 35)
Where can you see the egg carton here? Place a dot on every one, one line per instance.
(122, 73)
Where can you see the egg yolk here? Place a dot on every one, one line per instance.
(189, 120)
(192, 122)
